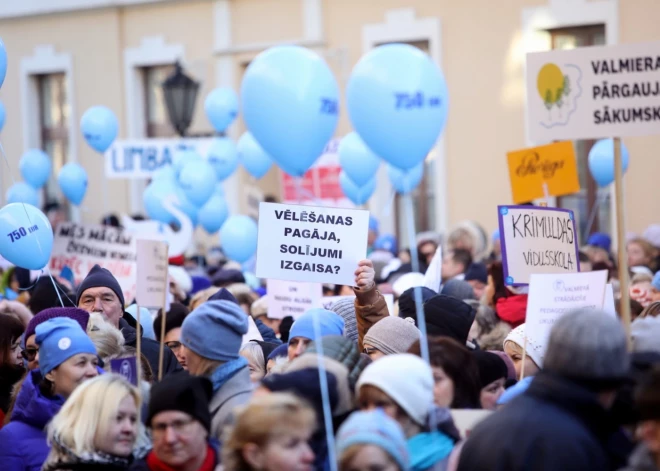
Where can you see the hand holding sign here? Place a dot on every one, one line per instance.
(365, 275)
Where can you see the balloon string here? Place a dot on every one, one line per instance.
(33, 284)
(55, 286)
(105, 197)
(594, 211)
(325, 396)
(421, 319)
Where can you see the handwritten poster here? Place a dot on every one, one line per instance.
(81, 246)
(537, 240)
(291, 298)
(152, 273)
(310, 243)
(553, 165)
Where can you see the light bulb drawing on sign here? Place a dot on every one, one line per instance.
(559, 88)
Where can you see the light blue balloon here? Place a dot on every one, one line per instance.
(99, 127)
(357, 160)
(253, 157)
(185, 206)
(405, 181)
(397, 101)
(290, 104)
(224, 157)
(213, 214)
(21, 192)
(358, 195)
(181, 158)
(26, 237)
(3, 115)
(153, 198)
(197, 180)
(35, 166)
(3, 63)
(601, 161)
(219, 190)
(238, 238)
(73, 182)
(221, 106)
(165, 173)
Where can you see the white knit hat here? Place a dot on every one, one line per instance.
(406, 379)
(535, 349)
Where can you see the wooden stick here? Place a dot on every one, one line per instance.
(138, 363)
(161, 352)
(621, 237)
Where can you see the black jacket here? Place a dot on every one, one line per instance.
(150, 348)
(555, 425)
(88, 466)
(9, 376)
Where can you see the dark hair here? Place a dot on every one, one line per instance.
(457, 363)
(462, 256)
(111, 220)
(496, 272)
(583, 256)
(174, 318)
(10, 330)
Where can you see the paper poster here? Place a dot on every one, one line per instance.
(291, 298)
(152, 273)
(537, 240)
(553, 296)
(311, 243)
(252, 333)
(593, 92)
(327, 301)
(608, 303)
(81, 246)
(466, 420)
(126, 367)
(553, 165)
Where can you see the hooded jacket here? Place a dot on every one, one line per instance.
(23, 445)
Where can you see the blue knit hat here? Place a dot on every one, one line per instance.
(374, 428)
(656, 281)
(59, 339)
(100, 278)
(215, 330)
(600, 239)
(330, 324)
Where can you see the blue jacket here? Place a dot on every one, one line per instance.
(23, 444)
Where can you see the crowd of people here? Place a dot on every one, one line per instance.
(341, 388)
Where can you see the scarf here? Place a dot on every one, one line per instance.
(208, 464)
(427, 448)
(94, 457)
(223, 373)
(512, 309)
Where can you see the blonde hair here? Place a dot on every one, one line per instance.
(202, 296)
(253, 353)
(263, 418)
(108, 340)
(87, 414)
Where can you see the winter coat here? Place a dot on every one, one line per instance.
(267, 334)
(150, 348)
(235, 392)
(641, 460)
(555, 425)
(23, 444)
(368, 314)
(141, 465)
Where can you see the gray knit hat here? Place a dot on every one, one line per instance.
(459, 289)
(346, 309)
(588, 346)
(645, 332)
(392, 335)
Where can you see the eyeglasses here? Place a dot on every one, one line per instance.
(30, 353)
(173, 345)
(178, 426)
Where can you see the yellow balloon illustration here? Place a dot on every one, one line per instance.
(549, 80)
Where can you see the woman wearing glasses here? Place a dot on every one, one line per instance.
(11, 361)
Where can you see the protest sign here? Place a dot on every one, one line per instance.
(152, 276)
(608, 303)
(126, 367)
(553, 296)
(553, 165)
(310, 243)
(81, 246)
(327, 301)
(466, 420)
(537, 240)
(594, 92)
(291, 298)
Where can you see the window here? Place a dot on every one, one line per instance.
(158, 123)
(590, 198)
(54, 120)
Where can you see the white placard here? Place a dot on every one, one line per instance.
(152, 276)
(608, 303)
(310, 243)
(553, 296)
(327, 301)
(466, 420)
(291, 298)
(537, 240)
(81, 246)
(593, 92)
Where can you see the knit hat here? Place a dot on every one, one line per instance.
(183, 393)
(510, 367)
(330, 323)
(656, 281)
(477, 272)
(280, 351)
(44, 296)
(343, 350)
(100, 277)
(59, 339)
(535, 350)
(407, 301)
(449, 317)
(215, 330)
(645, 332)
(491, 367)
(259, 307)
(414, 394)
(601, 240)
(588, 346)
(226, 277)
(223, 295)
(266, 347)
(374, 428)
(346, 309)
(79, 315)
(458, 289)
(392, 335)
(652, 234)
